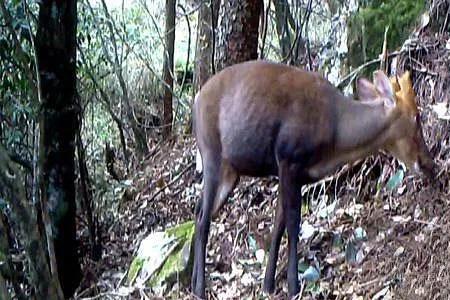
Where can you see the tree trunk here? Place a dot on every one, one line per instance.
(23, 213)
(168, 67)
(3, 289)
(239, 31)
(7, 269)
(282, 16)
(204, 50)
(56, 52)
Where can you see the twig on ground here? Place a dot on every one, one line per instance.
(190, 165)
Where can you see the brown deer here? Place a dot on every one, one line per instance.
(259, 118)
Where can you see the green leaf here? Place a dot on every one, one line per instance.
(252, 243)
(2, 204)
(395, 180)
(311, 274)
(303, 266)
(360, 234)
(337, 241)
(350, 252)
(312, 287)
(305, 208)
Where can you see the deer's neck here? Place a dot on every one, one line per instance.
(361, 127)
(361, 130)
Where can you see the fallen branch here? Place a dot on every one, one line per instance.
(190, 165)
(351, 76)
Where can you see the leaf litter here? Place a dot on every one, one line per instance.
(370, 231)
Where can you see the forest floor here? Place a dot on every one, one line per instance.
(387, 245)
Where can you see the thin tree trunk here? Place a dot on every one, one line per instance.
(264, 15)
(56, 51)
(168, 67)
(103, 97)
(139, 134)
(204, 65)
(86, 192)
(204, 60)
(282, 14)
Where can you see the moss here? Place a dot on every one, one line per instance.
(176, 259)
(367, 26)
(135, 267)
(176, 263)
(172, 266)
(183, 231)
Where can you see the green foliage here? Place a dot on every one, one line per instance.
(100, 128)
(369, 24)
(18, 98)
(134, 47)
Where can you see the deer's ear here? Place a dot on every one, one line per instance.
(366, 90)
(384, 88)
(405, 81)
(395, 84)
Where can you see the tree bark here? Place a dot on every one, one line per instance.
(239, 31)
(204, 50)
(23, 213)
(88, 202)
(7, 269)
(56, 53)
(3, 289)
(168, 67)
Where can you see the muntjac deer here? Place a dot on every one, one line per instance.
(259, 118)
